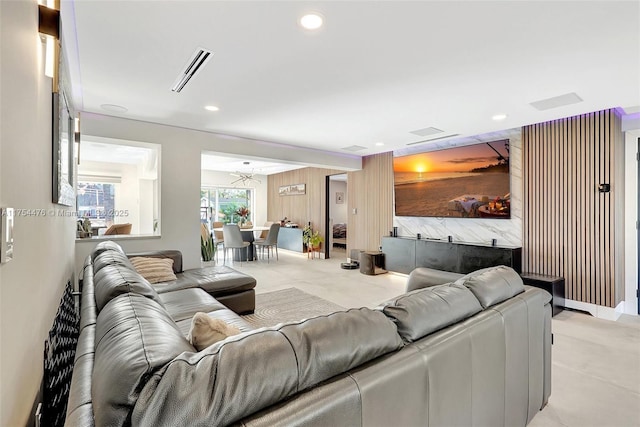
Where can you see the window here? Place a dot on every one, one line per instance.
(221, 204)
(96, 201)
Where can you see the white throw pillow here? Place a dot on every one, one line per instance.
(206, 330)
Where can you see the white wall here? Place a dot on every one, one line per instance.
(630, 232)
(32, 283)
(218, 179)
(337, 211)
(128, 198)
(145, 206)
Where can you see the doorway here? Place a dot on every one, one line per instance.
(336, 216)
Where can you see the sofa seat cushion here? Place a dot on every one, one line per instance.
(251, 371)
(183, 304)
(423, 311)
(154, 269)
(134, 338)
(493, 285)
(218, 280)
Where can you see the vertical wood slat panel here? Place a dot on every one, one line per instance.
(569, 228)
(370, 191)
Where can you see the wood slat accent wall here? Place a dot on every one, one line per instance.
(370, 191)
(304, 208)
(570, 229)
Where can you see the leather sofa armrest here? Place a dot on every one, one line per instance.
(423, 277)
(175, 255)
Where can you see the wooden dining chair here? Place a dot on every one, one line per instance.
(218, 236)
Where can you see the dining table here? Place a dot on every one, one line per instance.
(247, 236)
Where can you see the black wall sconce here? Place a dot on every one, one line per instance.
(604, 188)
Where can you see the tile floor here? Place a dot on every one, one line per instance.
(595, 362)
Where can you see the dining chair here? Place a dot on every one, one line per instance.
(264, 233)
(233, 240)
(118, 229)
(270, 242)
(218, 236)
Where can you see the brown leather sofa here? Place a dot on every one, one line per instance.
(473, 352)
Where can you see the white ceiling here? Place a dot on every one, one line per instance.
(104, 155)
(215, 162)
(375, 72)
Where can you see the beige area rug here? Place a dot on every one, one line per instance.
(288, 305)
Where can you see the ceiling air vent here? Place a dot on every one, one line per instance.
(556, 101)
(354, 148)
(426, 131)
(433, 139)
(195, 64)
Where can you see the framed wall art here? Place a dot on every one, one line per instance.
(292, 190)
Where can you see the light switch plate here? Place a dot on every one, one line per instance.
(6, 235)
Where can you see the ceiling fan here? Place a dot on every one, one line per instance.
(245, 178)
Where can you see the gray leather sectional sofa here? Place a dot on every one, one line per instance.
(473, 352)
(230, 287)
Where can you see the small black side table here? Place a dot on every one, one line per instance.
(552, 284)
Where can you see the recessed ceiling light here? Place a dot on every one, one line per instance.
(211, 108)
(114, 108)
(379, 144)
(499, 117)
(311, 21)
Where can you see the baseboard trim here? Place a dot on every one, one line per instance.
(599, 311)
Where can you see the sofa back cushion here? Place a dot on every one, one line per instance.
(110, 258)
(423, 277)
(106, 246)
(424, 311)
(248, 372)
(114, 280)
(493, 285)
(134, 337)
(328, 345)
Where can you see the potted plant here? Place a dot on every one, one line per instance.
(312, 239)
(315, 240)
(207, 245)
